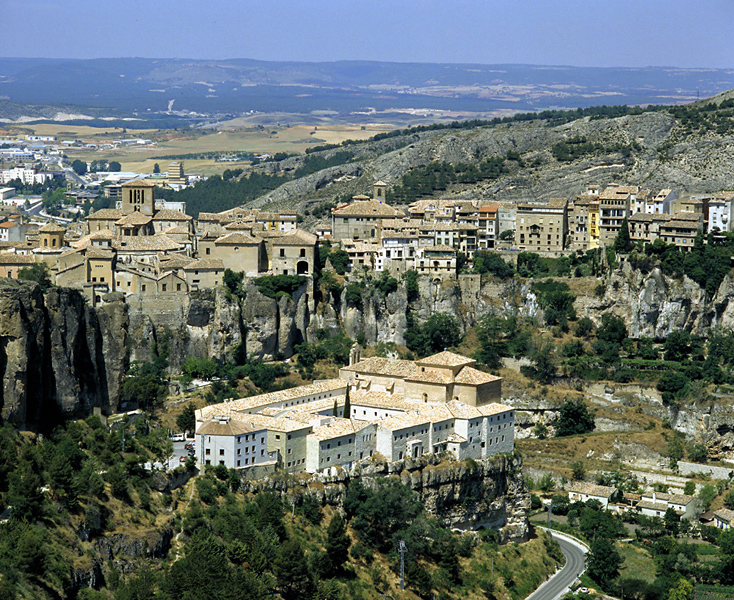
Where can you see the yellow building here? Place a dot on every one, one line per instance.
(594, 225)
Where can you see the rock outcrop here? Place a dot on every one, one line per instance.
(59, 358)
(488, 493)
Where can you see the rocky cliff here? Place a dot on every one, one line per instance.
(59, 358)
(488, 493)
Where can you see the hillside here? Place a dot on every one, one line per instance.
(85, 524)
(688, 149)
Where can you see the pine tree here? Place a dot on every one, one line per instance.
(336, 408)
(347, 405)
(337, 542)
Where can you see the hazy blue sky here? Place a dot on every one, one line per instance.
(569, 32)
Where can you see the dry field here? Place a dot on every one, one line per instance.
(234, 136)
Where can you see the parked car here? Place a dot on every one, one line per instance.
(182, 459)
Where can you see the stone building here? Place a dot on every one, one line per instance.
(362, 219)
(614, 207)
(542, 227)
(294, 253)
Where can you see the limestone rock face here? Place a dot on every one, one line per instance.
(489, 492)
(59, 358)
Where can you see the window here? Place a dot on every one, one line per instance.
(221, 452)
(282, 252)
(208, 251)
(164, 287)
(208, 452)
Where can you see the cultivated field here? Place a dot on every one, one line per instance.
(240, 135)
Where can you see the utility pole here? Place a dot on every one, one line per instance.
(402, 550)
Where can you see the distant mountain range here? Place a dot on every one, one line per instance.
(170, 89)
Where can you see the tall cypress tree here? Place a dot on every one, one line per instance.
(336, 408)
(347, 405)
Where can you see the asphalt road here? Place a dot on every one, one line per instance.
(558, 585)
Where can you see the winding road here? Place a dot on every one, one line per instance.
(560, 583)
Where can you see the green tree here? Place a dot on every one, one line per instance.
(38, 273)
(612, 329)
(79, 167)
(337, 542)
(114, 166)
(347, 405)
(291, 571)
(690, 488)
(543, 356)
(584, 327)
(707, 494)
(682, 591)
(578, 471)
(677, 345)
(156, 168)
(186, 421)
(603, 562)
(671, 521)
(574, 418)
(623, 243)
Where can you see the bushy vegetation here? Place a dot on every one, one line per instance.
(334, 348)
(490, 262)
(277, 286)
(578, 146)
(439, 332)
(437, 176)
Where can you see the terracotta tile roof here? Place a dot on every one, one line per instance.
(671, 498)
(446, 359)
(553, 203)
(9, 258)
(438, 248)
(650, 505)
(230, 427)
(463, 411)
(52, 228)
(237, 239)
(399, 422)
(366, 208)
(590, 489)
(176, 230)
(134, 218)
(253, 402)
(107, 214)
(204, 264)
(472, 376)
(169, 214)
(725, 514)
(299, 237)
(494, 409)
(431, 376)
(335, 428)
(153, 243)
(392, 367)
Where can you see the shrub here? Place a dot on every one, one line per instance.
(276, 286)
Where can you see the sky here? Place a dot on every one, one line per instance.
(601, 33)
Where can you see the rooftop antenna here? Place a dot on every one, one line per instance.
(402, 550)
